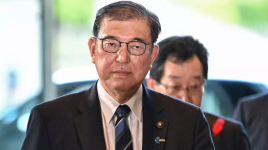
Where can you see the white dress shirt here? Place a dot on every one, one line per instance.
(108, 108)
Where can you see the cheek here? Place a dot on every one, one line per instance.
(197, 99)
(159, 89)
(103, 61)
(141, 64)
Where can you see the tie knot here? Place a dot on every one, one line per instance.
(122, 111)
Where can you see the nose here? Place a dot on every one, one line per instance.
(184, 95)
(123, 54)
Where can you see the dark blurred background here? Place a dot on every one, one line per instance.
(44, 53)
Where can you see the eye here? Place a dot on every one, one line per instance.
(136, 47)
(194, 87)
(177, 87)
(110, 44)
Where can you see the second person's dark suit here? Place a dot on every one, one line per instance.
(231, 137)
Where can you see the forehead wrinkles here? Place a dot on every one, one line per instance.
(108, 19)
(105, 23)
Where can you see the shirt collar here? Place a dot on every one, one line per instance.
(109, 104)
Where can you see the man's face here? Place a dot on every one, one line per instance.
(121, 70)
(182, 80)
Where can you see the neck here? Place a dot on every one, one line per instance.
(121, 96)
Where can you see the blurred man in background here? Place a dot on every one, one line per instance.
(252, 112)
(180, 70)
(118, 112)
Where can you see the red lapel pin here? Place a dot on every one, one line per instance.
(218, 126)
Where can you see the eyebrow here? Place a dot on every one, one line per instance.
(139, 39)
(198, 77)
(134, 39)
(109, 37)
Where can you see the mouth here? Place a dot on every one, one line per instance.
(121, 73)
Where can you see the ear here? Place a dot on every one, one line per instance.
(92, 47)
(154, 55)
(150, 83)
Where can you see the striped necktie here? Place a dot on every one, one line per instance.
(123, 139)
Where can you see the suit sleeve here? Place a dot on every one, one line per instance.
(36, 135)
(243, 142)
(203, 140)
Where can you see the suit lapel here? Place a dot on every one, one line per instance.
(89, 123)
(216, 141)
(152, 114)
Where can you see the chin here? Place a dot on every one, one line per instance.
(122, 83)
(121, 87)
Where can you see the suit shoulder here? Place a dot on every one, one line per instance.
(255, 99)
(61, 102)
(228, 123)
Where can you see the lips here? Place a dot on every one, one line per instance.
(121, 73)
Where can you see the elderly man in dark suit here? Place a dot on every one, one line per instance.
(252, 112)
(118, 112)
(180, 70)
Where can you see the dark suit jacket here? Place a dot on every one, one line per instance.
(253, 113)
(232, 136)
(74, 122)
